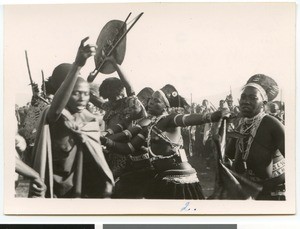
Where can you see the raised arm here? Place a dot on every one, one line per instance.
(123, 78)
(64, 92)
(196, 119)
(97, 101)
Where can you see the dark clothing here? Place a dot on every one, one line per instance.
(68, 156)
(176, 184)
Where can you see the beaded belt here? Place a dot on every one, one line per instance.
(141, 157)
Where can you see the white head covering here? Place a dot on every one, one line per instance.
(259, 88)
(164, 97)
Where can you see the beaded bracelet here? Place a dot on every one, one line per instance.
(139, 157)
(128, 134)
(141, 136)
(175, 119)
(121, 127)
(131, 147)
(110, 143)
(110, 131)
(183, 119)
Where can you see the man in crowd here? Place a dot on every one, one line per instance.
(67, 151)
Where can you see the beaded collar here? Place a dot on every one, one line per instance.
(249, 128)
(153, 129)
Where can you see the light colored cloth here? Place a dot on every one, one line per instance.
(87, 140)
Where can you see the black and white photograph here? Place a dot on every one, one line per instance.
(169, 226)
(161, 108)
(47, 226)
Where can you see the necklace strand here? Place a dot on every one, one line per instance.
(250, 132)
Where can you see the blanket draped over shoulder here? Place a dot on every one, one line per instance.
(87, 146)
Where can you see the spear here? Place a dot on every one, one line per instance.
(191, 102)
(29, 73)
(31, 81)
(281, 102)
(212, 105)
(190, 132)
(43, 85)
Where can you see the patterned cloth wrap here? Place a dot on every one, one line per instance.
(116, 162)
(69, 175)
(118, 113)
(29, 127)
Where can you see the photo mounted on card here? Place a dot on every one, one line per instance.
(167, 226)
(47, 226)
(175, 108)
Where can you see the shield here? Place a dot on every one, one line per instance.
(107, 39)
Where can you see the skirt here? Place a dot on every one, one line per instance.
(176, 184)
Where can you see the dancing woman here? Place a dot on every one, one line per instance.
(160, 136)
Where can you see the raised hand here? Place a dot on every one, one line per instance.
(225, 113)
(84, 52)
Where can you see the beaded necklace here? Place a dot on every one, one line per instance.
(153, 129)
(249, 128)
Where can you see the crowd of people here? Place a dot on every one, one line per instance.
(78, 140)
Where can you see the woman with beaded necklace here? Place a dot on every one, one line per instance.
(161, 137)
(259, 154)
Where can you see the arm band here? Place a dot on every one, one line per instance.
(138, 126)
(132, 149)
(183, 119)
(110, 143)
(110, 131)
(121, 127)
(175, 119)
(141, 136)
(128, 134)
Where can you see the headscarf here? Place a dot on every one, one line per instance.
(267, 86)
(173, 98)
(58, 76)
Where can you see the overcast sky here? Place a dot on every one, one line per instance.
(202, 49)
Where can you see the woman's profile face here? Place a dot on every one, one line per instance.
(132, 110)
(156, 104)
